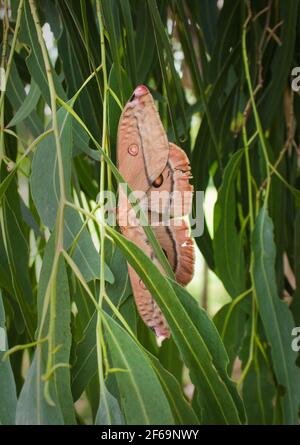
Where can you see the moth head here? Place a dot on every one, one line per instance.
(140, 91)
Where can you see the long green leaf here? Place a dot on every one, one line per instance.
(15, 92)
(219, 395)
(228, 246)
(163, 48)
(8, 394)
(182, 411)
(27, 106)
(45, 183)
(32, 407)
(109, 412)
(34, 60)
(276, 317)
(14, 235)
(141, 404)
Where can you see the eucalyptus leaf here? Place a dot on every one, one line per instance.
(17, 253)
(228, 243)
(28, 106)
(222, 404)
(141, 404)
(45, 192)
(182, 411)
(109, 412)
(276, 317)
(8, 387)
(259, 393)
(35, 63)
(16, 94)
(33, 407)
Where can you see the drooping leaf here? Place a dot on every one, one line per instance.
(129, 40)
(114, 111)
(8, 393)
(206, 358)
(230, 322)
(169, 357)
(109, 412)
(141, 404)
(80, 56)
(111, 13)
(46, 193)
(228, 246)
(15, 91)
(35, 62)
(33, 407)
(145, 45)
(182, 411)
(281, 61)
(295, 306)
(166, 63)
(276, 317)
(17, 253)
(28, 106)
(85, 366)
(258, 393)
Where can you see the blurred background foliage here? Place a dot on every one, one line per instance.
(220, 72)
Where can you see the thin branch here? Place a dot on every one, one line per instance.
(51, 288)
(12, 49)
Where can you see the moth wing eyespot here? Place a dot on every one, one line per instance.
(158, 181)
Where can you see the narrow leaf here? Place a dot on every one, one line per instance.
(28, 106)
(7, 387)
(109, 412)
(142, 403)
(228, 247)
(200, 354)
(276, 317)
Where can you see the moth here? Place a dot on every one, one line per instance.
(159, 173)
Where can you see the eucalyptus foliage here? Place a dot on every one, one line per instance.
(66, 307)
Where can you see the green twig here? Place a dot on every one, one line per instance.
(22, 347)
(51, 288)
(3, 55)
(233, 304)
(256, 116)
(99, 329)
(249, 177)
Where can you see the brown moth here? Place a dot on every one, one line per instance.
(161, 172)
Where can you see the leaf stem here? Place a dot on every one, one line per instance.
(252, 344)
(249, 177)
(3, 54)
(252, 214)
(234, 302)
(51, 293)
(256, 116)
(99, 330)
(22, 347)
